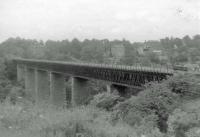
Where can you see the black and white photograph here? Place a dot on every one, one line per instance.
(99, 68)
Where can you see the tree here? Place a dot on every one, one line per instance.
(75, 48)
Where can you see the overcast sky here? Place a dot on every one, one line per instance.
(135, 20)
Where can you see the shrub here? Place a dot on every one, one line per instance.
(37, 122)
(5, 87)
(187, 86)
(184, 123)
(193, 132)
(106, 100)
(157, 100)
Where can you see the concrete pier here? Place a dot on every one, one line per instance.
(80, 91)
(20, 72)
(30, 83)
(57, 89)
(42, 86)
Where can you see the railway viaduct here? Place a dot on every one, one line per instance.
(45, 80)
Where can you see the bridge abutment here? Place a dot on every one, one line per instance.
(57, 89)
(80, 91)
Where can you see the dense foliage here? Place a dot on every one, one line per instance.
(103, 50)
(157, 111)
(156, 106)
(98, 51)
(161, 110)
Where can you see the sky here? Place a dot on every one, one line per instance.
(134, 20)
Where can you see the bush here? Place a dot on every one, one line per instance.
(187, 86)
(193, 132)
(181, 122)
(106, 100)
(5, 87)
(83, 121)
(157, 101)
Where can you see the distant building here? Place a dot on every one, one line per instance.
(144, 50)
(114, 53)
(141, 50)
(161, 56)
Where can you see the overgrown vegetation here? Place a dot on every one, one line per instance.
(161, 110)
(167, 109)
(17, 121)
(156, 106)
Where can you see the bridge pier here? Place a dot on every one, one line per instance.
(80, 91)
(57, 89)
(20, 72)
(30, 83)
(42, 86)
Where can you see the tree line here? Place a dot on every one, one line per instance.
(178, 50)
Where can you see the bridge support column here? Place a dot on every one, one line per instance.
(30, 83)
(57, 89)
(80, 91)
(42, 87)
(20, 72)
